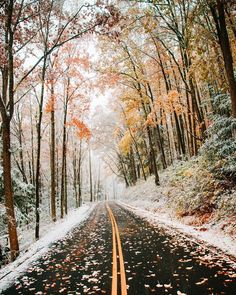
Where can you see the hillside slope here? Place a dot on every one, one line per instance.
(192, 199)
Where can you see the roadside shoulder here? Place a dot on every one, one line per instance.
(59, 230)
(215, 239)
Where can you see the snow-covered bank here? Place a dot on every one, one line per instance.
(190, 200)
(212, 236)
(55, 231)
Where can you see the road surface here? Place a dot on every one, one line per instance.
(116, 252)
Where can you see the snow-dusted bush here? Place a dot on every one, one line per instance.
(191, 187)
(23, 198)
(220, 147)
(226, 204)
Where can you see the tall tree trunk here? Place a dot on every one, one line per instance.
(94, 191)
(79, 174)
(139, 157)
(22, 164)
(38, 156)
(90, 176)
(30, 171)
(75, 177)
(8, 190)
(160, 144)
(7, 110)
(133, 167)
(179, 135)
(52, 158)
(66, 180)
(137, 150)
(152, 151)
(63, 166)
(123, 169)
(57, 175)
(32, 145)
(169, 141)
(153, 156)
(219, 19)
(157, 133)
(196, 108)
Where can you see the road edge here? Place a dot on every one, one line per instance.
(15, 269)
(192, 235)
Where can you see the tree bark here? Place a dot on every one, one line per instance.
(79, 174)
(157, 133)
(8, 190)
(66, 179)
(90, 176)
(63, 167)
(75, 177)
(21, 155)
(32, 147)
(152, 151)
(38, 156)
(52, 158)
(218, 13)
(6, 110)
(132, 167)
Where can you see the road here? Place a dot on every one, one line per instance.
(116, 252)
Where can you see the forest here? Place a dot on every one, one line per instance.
(124, 90)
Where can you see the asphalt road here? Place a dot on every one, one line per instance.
(116, 252)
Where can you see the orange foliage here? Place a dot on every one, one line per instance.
(82, 130)
(50, 104)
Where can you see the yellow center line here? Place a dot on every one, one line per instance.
(122, 266)
(115, 232)
(114, 258)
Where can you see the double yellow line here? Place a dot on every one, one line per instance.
(116, 243)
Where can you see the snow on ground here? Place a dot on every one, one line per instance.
(55, 231)
(211, 236)
(150, 202)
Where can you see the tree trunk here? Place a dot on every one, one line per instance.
(7, 109)
(57, 175)
(52, 159)
(157, 133)
(39, 126)
(8, 190)
(196, 108)
(123, 170)
(160, 145)
(132, 166)
(179, 135)
(32, 146)
(22, 165)
(94, 191)
(63, 166)
(219, 19)
(152, 151)
(168, 141)
(66, 180)
(75, 177)
(153, 156)
(90, 177)
(79, 174)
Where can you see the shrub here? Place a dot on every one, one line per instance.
(220, 146)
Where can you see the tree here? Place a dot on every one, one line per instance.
(168, 75)
(82, 133)
(21, 23)
(218, 9)
(13, 39)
